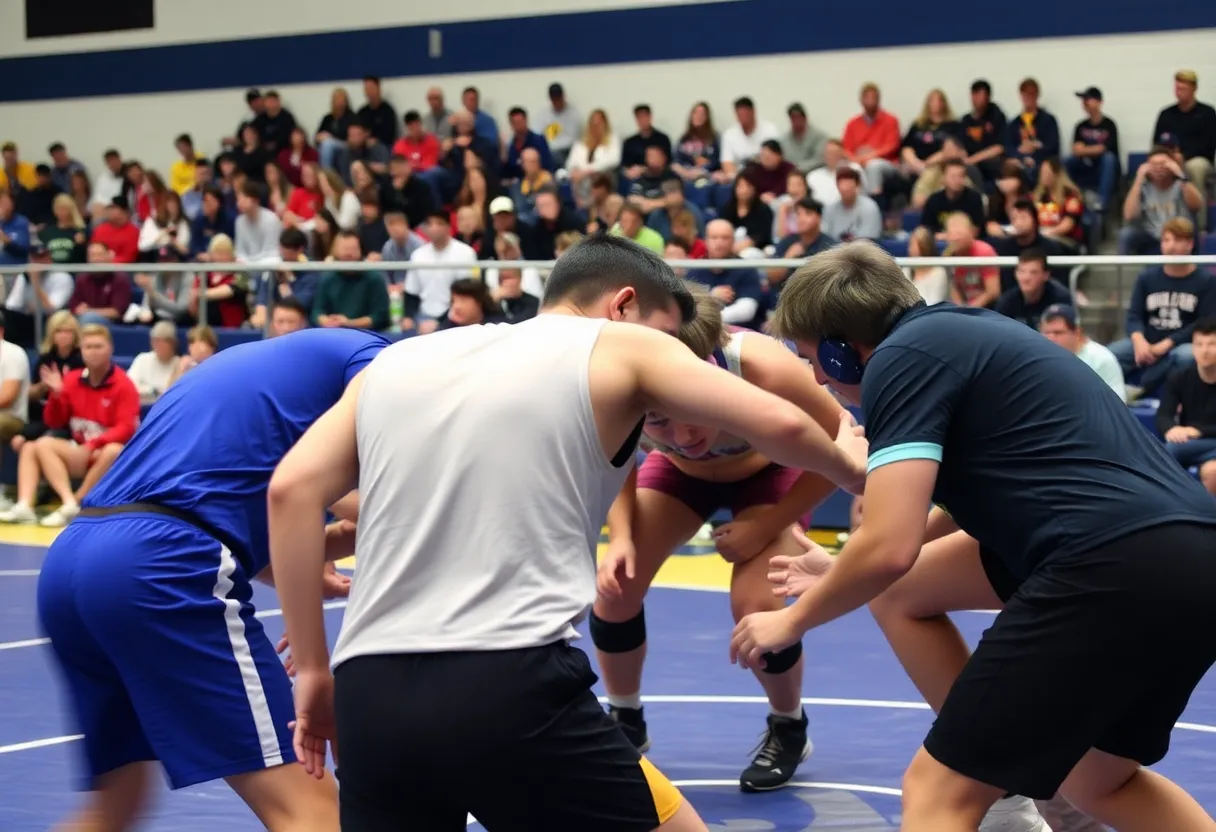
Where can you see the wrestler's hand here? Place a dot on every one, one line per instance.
(851, 439)
(289, 664)
(620, 561)
(333, 583)
(760, 633)
(741, 540)
(793, 576)
(314, 726)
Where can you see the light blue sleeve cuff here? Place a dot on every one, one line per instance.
(901, 453)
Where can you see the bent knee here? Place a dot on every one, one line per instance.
(110, 452)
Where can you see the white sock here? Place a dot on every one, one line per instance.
(791, 715)
(632, 701)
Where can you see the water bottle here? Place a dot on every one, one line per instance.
(396, 307)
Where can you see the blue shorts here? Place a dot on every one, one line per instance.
(151, 622)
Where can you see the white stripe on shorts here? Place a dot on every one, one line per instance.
(254, 692)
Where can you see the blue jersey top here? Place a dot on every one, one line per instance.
(1038, 456)
(211, 443)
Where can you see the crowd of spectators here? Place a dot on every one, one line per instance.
(454, 189)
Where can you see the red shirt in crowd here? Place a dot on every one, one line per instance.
(122, 240)
(96, 414)
(971, 280)
(880, 134)
(304, 203)
(423, 154)
(102, 291)
(230, 312)
(290, 162)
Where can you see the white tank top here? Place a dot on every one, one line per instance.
(483, 487)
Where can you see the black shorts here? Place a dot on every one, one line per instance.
(514, 737)
(1096, 650)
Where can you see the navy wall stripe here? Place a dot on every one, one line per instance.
(704, 30)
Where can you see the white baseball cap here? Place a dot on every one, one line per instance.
(502, 205)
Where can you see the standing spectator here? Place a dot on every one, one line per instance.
(352, 299)
(632, 226)
(955, 197)
(855, 216)
(35, 203)
(1160, 193)
(110, 183)
(1034, 135)
(1186, 415)
(428, 291)
(14, 387)
(118, 234)
(438, 118)
(289, 316)
(377, 115)
(150, 371)
(295, 156)
(15, 173)
(597, 152)
(741, 142)
(741, 290)
(803, 143)
(181, 172)
(14, 233)
(331, 132)
(822, 181)
(633, 151)
(750, 216)
(983, 132)
(1161, 314)
(807, 240)
(257, 228)
(1191, 126)
(698, 154)
(277, 126)
(871, 140)
(922, 145)
(1035, 292)
(1059, 324)
(63, 166)
(522, 138)
(42, 290)
(420, 148)
(932, 282)
(212, 219)
(484, 125)
(561, 125)
(1060, 205)
(1094, 163)
(100, 406)
(977, 286)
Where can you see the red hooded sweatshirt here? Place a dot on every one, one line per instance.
(96, 415)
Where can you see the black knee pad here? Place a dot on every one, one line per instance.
(618, 637)
(780, 662)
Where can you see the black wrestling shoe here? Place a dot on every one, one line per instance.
(784, 746)
(633, 724)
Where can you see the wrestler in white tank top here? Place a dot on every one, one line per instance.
(483, 487)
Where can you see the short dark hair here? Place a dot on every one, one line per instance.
(954, 163)
(1024, 204)
(293, 238)
(253, 190)
(375, 79)
(981, 85)
(641, 108)
(603, 263)
(1033, 255)
(473, 90)
(56, 147)
(745, 101)
(292, 303)
(1205, 326)
(411, 116)
(111, 153)
(774, 146)
(184, 137)
(809, 203)
(442, 216)
(213, 190)
(602, 180)
(517, 111)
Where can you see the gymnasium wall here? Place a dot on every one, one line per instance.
(186, 72)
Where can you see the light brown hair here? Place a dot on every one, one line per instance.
(705, 332)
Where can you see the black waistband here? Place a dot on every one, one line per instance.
(187, 517)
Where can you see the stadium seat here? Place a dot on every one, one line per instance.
(911, 220)
(895, 246)
(132, 340)
(1207, 242)
(1134, 161)
(1146, 411)
(123, 361)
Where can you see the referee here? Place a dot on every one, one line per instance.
(486, 459)
(1107, 549)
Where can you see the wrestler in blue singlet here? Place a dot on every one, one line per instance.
(146, 596)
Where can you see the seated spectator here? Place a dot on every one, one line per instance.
(352, 299)
(1094, 163)
(340, 200)
(741, 142)
(1059, 324)
(15, 173)
(60, 351)
(1160, 192)
(647, 191)
(289, 316)
(100, 297)
(251, 157)
(871, 140)
(100, 407)
(192, 197)
(533, 178)
(35, 203)
(110, 183)
(361, 147)
(469, 228)
(507, 248)
(1186, 416)
(514, 304)
(292, 159)
(365, 183)
(286, 283)
(482, 121)
(1024, 236)
(552, 218)
(212, 220)
(932, 282)
(277, 124)
(921, 147)
(306, 200)
(437, 120)
(14, 388)
(855, 216)
(470, 304)
(1035, 292)
(467, 148)
(785, 217)
(14, 233)
(373, 236)
(118, 234)
(42, 290)
(331, 132)
(428, 291)
(1034, 136)
(418, 147)
(1010, 188)
(82, 194)
(803, 143)
(401, 245)
(697, 156)
(410, 194)
(1060, 205)
(151, 371)
(522, 138)
(1190, 125)
(604, 214)
(1166, 303)
(223, 300)
(770, 171)
(201, 344)
(182, 172)
(502, 220)
(257, 228)
(807, 240)
(165, 236)
(822, 181)
(632, 226)
(750, 216)
(978, 286)
(278, 189)
(741, 290)
(930, 180)
(560, 124)
(633, 149)
(983, 132)
(955, 197)
(596, 153)
(676, 249)
(63, 166)
(670, 204)
(324, 231)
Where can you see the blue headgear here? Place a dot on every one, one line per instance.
(840, 362)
